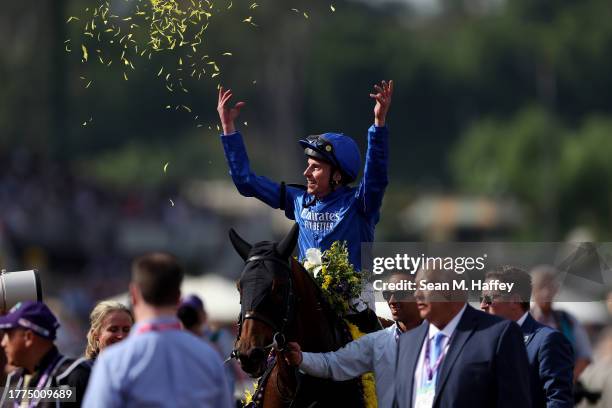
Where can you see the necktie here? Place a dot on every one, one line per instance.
(435, 355)
(438, 339)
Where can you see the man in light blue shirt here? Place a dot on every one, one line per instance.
(159, 364)
(373, 352)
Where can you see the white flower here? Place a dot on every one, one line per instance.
(313, 262)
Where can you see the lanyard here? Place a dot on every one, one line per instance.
(429, 370)
(158, 327)
(41, 382)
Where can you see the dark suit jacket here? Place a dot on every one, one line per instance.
(551, 365)
(485, 366)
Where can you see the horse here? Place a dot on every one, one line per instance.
(281, 302)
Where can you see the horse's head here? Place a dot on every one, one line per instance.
(266, 298)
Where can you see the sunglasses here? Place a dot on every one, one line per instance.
(398, 295)
(488, 299)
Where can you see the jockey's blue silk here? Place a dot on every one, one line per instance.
(346, 214)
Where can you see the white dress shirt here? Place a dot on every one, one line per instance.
(448, 331)
(522, 319)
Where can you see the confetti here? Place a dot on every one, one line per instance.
(166, 167)
(171, 202)
(333, 9)
(125, 76)
(85, 55)
(72, 18)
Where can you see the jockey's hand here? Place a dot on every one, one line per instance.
(383, 95)
(227, 114)
(293, 354)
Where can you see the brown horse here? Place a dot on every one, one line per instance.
(280, 302)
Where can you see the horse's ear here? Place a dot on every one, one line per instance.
(240, 245)
(285, 247)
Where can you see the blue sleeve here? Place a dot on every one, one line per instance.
(556, 370)
(512, 369)
(248, 183)
(375, 179)
(100, 389)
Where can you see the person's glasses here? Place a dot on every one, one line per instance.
(398, 295)
(488, 299)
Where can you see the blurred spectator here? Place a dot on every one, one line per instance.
(28, 341)
(110, 322)
(596, 379)
(159, 364)
(609, 307)
(545, 288)
(194, 318)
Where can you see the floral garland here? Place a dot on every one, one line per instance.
(335, 275)
(367, 380)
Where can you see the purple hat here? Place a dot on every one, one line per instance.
(192, 301)
(34, 316)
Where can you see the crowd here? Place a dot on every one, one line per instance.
(439, 352)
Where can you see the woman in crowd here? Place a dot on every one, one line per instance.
(110, 322)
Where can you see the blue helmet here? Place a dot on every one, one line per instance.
(337, 149)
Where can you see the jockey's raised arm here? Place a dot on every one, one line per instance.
(327, 208)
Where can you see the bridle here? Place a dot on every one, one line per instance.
(279, 338)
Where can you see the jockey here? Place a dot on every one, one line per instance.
(327, 209)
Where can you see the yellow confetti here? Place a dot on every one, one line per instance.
(227, 53)
(168, 106)
(254, 5)
(248, 19)
(333, 9)
(71, 18)
(180, 61)
(160, 71)
(85, 55)
(187, 108)
(246, 123)
(171, 202)
(306, 15)
(166, 166)
(87, 86)
(125, 76)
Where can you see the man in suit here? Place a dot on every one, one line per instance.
(462, 357)
(550, 355)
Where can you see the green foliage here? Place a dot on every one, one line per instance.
(142, 163)
(563, 176)
(337, 277)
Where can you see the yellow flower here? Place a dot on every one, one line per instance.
(327, 280)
